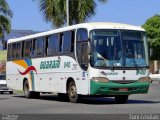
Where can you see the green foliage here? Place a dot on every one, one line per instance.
(152, 27)
(3, 54)
(5, 15)
(54, 11)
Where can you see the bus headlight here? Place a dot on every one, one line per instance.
(100, 79)
(144, 79)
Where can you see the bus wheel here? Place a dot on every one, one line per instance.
(121, 99)
(28, 94)
(72, 92)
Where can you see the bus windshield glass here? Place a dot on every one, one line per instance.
(118, 48)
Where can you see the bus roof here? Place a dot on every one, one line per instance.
(89, 26)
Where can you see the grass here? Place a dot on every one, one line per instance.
(18, 91)
(3, 55)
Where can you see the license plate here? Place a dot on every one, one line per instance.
(123, 89)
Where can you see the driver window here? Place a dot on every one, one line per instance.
(81, 45)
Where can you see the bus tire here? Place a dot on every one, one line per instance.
(121, 99)
(28, 94)
(72, 92)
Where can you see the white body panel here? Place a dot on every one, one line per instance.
(51, 79)
(114, 75)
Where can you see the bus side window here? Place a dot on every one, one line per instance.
(22, 49)
(50, 45)
(46, 45)
(14, 51)
(72, 41)
(27, 48)
(67, 42)
(33, 51)
(19, 51)
(53, 44)
(9, 52)
(61, 43)
(82, 35)
(81, 45)
(40, 46)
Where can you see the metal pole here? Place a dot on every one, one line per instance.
(67, 11)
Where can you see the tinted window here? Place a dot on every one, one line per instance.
(67, 42)
(52, 44)
(27, 48)
(46, 45)
(9, 52)
(33, 51)
(82, 55)
(81, 46)
(61, 43)
(82, 35)
(39, 46)
(18, 51)
(72, 41)
(14, 51)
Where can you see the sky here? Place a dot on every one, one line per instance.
(135, 12)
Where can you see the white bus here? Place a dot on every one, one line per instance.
(108, 59)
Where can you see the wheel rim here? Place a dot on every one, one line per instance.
(73, 91)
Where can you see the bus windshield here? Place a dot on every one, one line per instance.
(118, 48)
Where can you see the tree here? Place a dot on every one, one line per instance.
(54, 11)
(152, 27)
(5, 15)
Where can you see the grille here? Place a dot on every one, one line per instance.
(129, 89)
(3, 85)
(123, 81)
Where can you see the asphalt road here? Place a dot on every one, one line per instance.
(51, 104)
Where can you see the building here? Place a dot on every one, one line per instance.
(14, 34)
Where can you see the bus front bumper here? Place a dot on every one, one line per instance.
(111, 88)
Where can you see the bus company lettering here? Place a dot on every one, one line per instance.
(50, 64)
(67, 64)
(109, 73)
(112, 73)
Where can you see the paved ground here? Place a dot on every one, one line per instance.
(50, 104)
